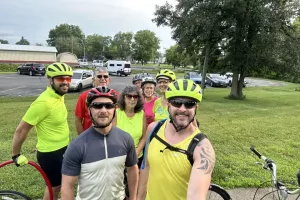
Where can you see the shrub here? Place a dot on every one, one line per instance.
(8, 67)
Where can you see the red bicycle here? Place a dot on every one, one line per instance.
(13, 195)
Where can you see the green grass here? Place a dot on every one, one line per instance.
(268, 119)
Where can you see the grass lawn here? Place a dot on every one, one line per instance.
(268, 119)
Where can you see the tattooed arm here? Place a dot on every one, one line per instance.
(204, 161)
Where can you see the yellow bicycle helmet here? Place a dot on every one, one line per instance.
(59, 69)
(184, 88)
(166, 73)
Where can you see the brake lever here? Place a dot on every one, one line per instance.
(265, 166)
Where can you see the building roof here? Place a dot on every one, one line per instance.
(11, 47)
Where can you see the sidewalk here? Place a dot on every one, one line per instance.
(248, 194)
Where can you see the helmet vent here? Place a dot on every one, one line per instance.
(185, 84)
(57, 67)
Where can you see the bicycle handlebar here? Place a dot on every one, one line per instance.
(40, 170)
(259, 155)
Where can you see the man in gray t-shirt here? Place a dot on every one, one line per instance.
(98, 157)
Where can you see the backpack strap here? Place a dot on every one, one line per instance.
(195, 141)
(152, 134)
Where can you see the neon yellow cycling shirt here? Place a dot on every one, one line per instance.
(48, 113)
(159, 110)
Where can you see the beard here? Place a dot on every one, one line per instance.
(59, 88)
(181, 119)
(102, 123)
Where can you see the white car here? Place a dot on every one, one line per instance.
(83, 62)
(81, 79)
(97, 63)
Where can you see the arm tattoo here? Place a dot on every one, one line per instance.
(207, 156)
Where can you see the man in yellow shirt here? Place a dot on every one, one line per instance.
(48, 114)
(168, 173)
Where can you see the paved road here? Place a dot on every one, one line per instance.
(23, 85)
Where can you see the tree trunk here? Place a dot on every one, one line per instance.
(205, 66)
(237, 86)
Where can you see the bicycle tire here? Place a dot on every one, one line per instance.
(12, 195)
(217, 193)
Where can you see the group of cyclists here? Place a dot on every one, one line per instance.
(130, 145)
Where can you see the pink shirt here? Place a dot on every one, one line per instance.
(148, 110)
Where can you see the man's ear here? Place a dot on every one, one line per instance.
(50, 81)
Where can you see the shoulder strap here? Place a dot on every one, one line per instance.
(190, 151)
(156, 129)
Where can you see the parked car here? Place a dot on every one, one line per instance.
(97, 63)
(195, 76)
(229, 76)
(217, 80)
(32, 69)
(83, 62)
(81, 79)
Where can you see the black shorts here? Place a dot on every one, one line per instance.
(51, 163)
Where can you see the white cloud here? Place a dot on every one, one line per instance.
(33, 19)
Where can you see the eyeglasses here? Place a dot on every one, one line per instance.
(187, 104)
(102, 76)
(108, 106)
(130, 96)
(61, 79)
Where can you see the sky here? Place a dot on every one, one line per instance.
(33, 19)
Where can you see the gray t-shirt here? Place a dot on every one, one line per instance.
(99, 162)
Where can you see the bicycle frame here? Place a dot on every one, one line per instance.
(39, 169)
(271, 165)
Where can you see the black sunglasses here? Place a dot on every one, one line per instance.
(187, 104)
(102, 76)
(97, 105)
(129, 96)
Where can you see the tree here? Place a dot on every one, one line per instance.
(3, 41)
(249, 32)
(145, 46)
(121, 45)
(23, 41)
(67, 38)
(97, 46)
(196, 26)
(173, 56)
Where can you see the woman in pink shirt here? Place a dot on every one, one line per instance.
(148, 88)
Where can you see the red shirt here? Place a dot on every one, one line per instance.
(82, 110)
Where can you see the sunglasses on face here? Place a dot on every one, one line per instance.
(102, 76)
(130, 96)
(63, 79)
(103, 105)
(179, 103)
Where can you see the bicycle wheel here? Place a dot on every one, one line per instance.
(217, 193)
(12, 195)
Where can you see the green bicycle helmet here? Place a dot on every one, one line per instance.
(166, 73)
(184, 88)
(59, 69)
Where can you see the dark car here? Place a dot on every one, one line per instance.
(32, 69)
(217, 80)
(195, 76)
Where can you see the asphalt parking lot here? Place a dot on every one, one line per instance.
(23, 85)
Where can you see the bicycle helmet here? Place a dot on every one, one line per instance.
(101, 92)
(148, 80)
(184, 88)
(136, 78)
(59, 69)
(167, 74)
